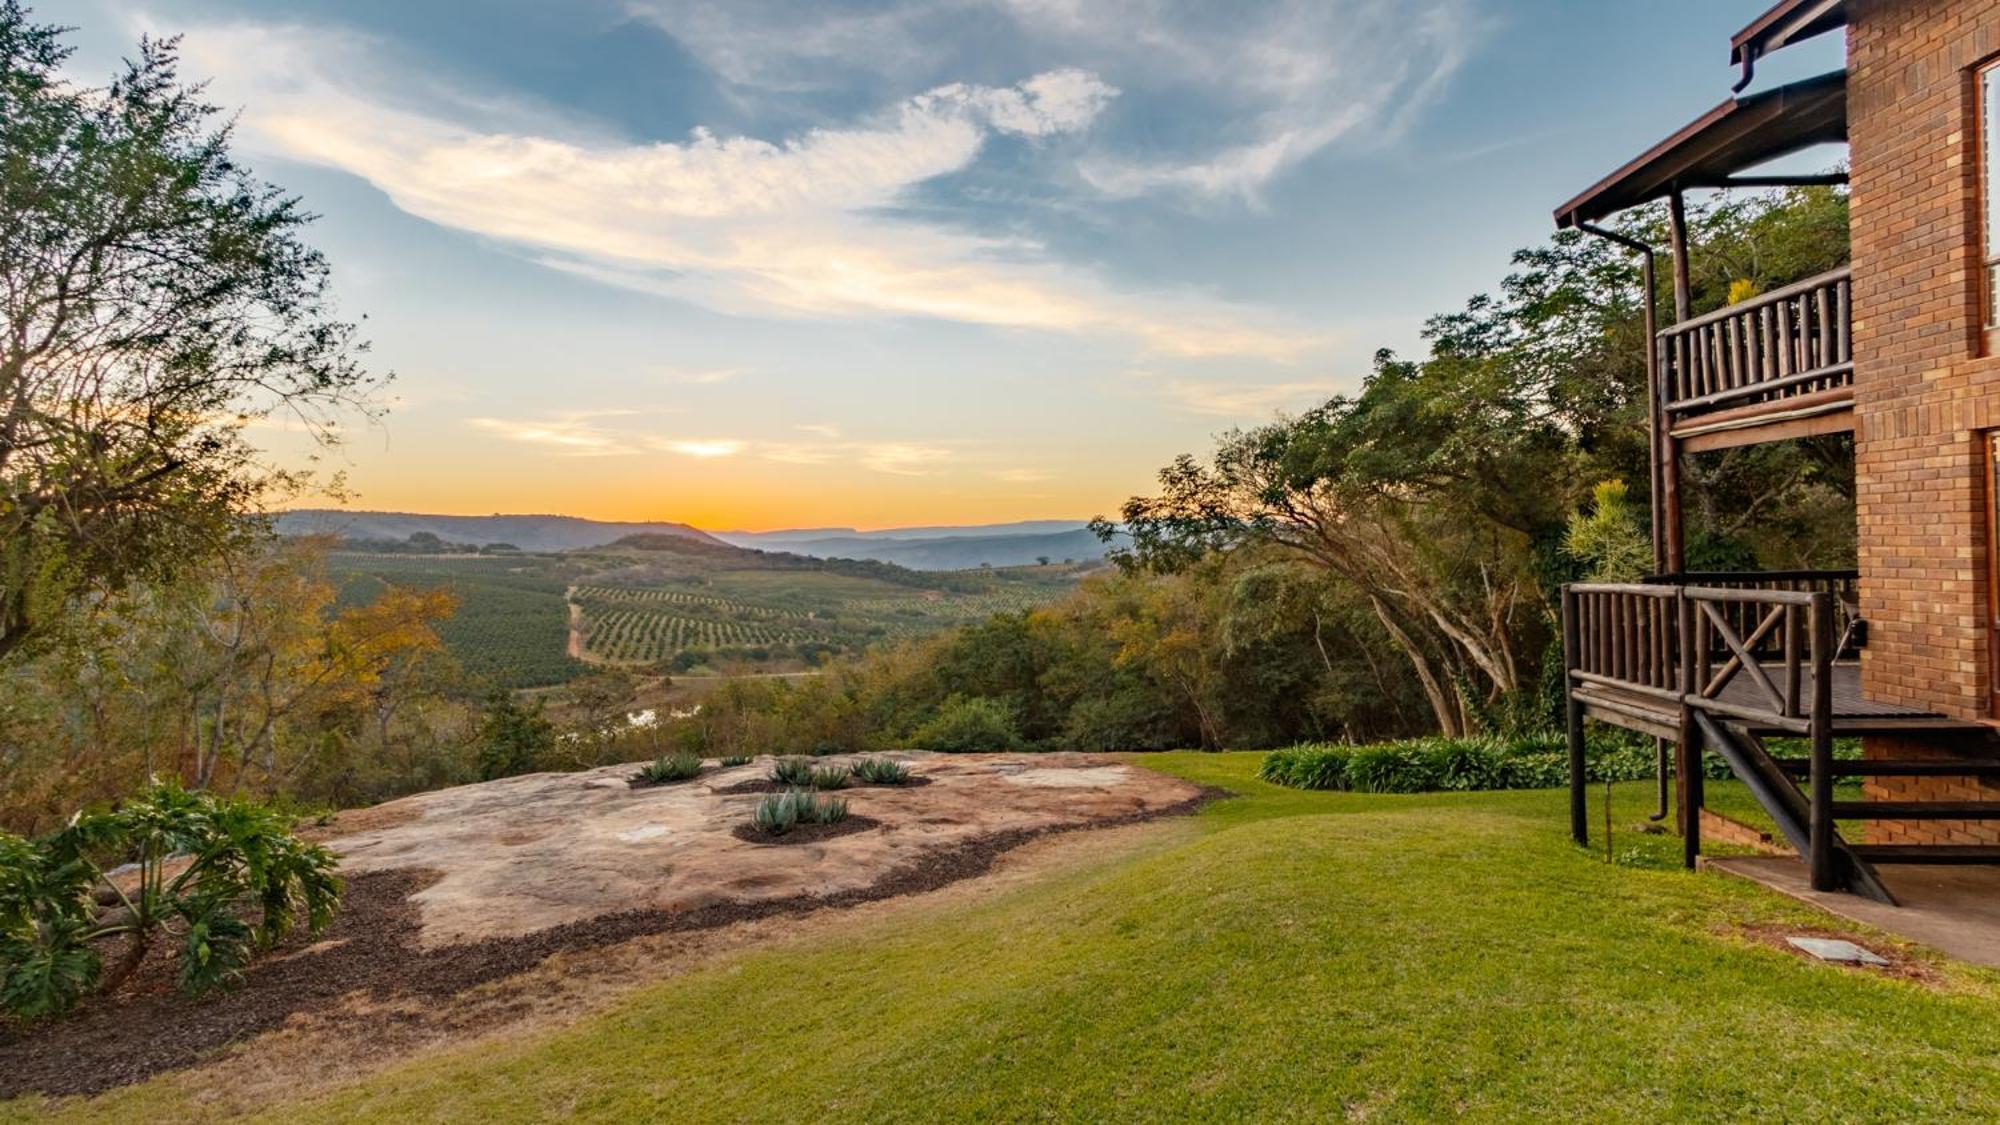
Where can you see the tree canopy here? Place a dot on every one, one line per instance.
(158, 299)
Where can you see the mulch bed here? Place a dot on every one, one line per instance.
(373, 949)
(766, 785)
(804, 833)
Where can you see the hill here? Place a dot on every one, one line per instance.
(527, 532)
(937, 548)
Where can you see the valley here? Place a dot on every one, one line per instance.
(679, 605)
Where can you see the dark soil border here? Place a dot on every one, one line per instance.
(804, 833)
(766, 785)
(373, 948)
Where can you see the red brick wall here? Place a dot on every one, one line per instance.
(1924, 387)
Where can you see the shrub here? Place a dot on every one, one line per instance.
(793, 771)
(243, 858)
(731, 761)
(776, 814)
(513, 739)
(1426, 765)
(672, 767)
(881, 771)
(831, 777)
(970, 725)
(779, 813)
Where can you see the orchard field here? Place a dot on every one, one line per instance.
(657, 609)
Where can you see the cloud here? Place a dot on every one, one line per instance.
(1022, 476)
(804, 226)
(821, 429)
(574, 435)
(1255, 87)
(1235, 399)
(898, 458)
(704, 448)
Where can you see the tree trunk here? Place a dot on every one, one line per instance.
(1449, 722)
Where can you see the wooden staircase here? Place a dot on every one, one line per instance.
(1782, 787)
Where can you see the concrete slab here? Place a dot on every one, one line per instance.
(1954, 910)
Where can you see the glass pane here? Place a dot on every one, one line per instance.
(1989, 82)
(1989, 144)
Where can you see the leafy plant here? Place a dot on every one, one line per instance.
(671, 768)
(881, 771)
(779, 813)
(776, 814)
(513, 738)
(793, 771)
(195, 863)
(830, 777)
(970, 725)
(731, 761)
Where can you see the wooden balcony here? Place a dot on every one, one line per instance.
(1719, 663)
(1776, 367)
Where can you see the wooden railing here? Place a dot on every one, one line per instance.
(1788, 343)
(1677, 648)
(1686, 639)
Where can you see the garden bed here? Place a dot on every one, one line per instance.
(456, 889)
(805, 833)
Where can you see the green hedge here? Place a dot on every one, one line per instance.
(1429, 765)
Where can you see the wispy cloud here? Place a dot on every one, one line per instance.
(1230, 398)
(1258, 87)
(802, 226)
(575, 435)
(706, 449)
(899, 458)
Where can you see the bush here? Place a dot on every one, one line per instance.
(793, 771)
(672, 767)
(513, 739)
(779, 813)
(731, 761)
(831, 777)
(243, 858)
(881, 771)
(970, 725)
(1429, 765)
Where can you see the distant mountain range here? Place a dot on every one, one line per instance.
(918, 548)
(936, 548)
(529, 533)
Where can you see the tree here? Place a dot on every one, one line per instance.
(157, 298)
(514, 739)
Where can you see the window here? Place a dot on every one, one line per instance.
(1989, 148)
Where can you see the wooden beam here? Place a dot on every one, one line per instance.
(1838, 421)
(1677, 228)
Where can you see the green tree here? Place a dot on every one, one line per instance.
(513, 739)
(157, 297)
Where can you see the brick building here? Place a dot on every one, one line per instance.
(1902, 350)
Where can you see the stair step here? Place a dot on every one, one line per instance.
(1928, 853)
(1916, 810)
(1892, 767)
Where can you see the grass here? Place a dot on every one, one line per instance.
(1286, 955)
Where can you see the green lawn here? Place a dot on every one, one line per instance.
(1285, 955)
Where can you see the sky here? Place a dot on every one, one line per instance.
(753, 265)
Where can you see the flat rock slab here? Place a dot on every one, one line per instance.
(526, 853)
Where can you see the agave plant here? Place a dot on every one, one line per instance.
(731, 761)
(672, 767)
(881, 771)
(793, 771)
(194, 863)
(830, 777)
(779, 813)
